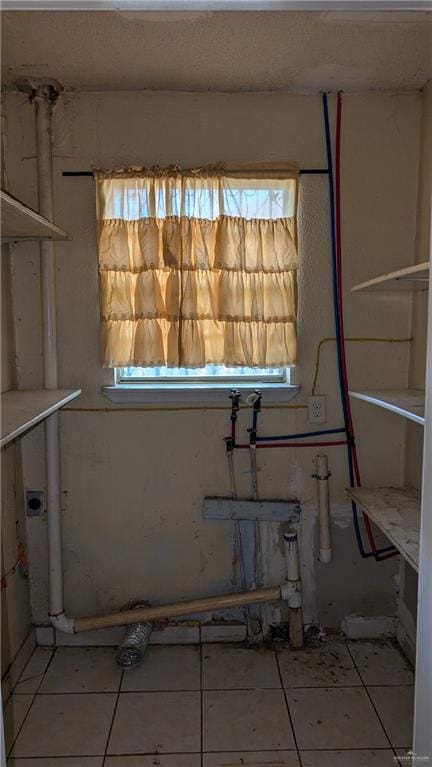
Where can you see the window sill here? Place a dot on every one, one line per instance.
(126, 394)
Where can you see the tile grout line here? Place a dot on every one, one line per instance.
(105, 756)
(29, 678)
(370, 699)
(159, 754)
(284, 692)
(35, 694)
(215, 689)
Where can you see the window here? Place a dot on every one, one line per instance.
(210, 374)
(198, 273)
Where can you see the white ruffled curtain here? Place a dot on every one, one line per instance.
(198, 266)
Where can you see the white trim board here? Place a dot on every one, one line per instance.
(19, 222)
(127, 394)
(414, 277)
(408, 403)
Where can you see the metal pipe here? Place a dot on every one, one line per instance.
(43, 96)
(230, 459)
(253, 470)
(322, 477)
(141, 615)
(302, 172)
(131, 651)
(235, 397)
(254, 399)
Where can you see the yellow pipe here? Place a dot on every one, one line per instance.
(354, 340)
(125, 409)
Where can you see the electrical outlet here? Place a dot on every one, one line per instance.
(35, 503)
(317, 410)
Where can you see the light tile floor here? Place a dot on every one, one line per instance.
(344, 704)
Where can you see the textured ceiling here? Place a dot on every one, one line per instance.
(219, 51)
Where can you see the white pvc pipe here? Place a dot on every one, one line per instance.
(322, 476)
(292, 590)
(43, 103)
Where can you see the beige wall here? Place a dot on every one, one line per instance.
(134, 482)
(15, 606)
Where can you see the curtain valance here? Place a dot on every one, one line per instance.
(198, 266)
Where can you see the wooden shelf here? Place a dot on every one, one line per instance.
(411, 278)
(409, 403)
(396, 511)
(18, 222)
(21, 410)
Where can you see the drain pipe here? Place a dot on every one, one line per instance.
(322, 477)
(43, 93)
(177, 609)
(292, 591)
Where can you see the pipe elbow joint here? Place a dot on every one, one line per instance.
(62, 623)
(291, 592)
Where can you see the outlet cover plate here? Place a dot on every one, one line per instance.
(317, 409)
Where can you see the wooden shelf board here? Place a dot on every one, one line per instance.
(18, 222)
(411, 278)
(21, 410)
(409, 403)
(396, 511)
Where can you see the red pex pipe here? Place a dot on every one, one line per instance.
(377, 555)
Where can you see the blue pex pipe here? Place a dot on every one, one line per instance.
(300, 436)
